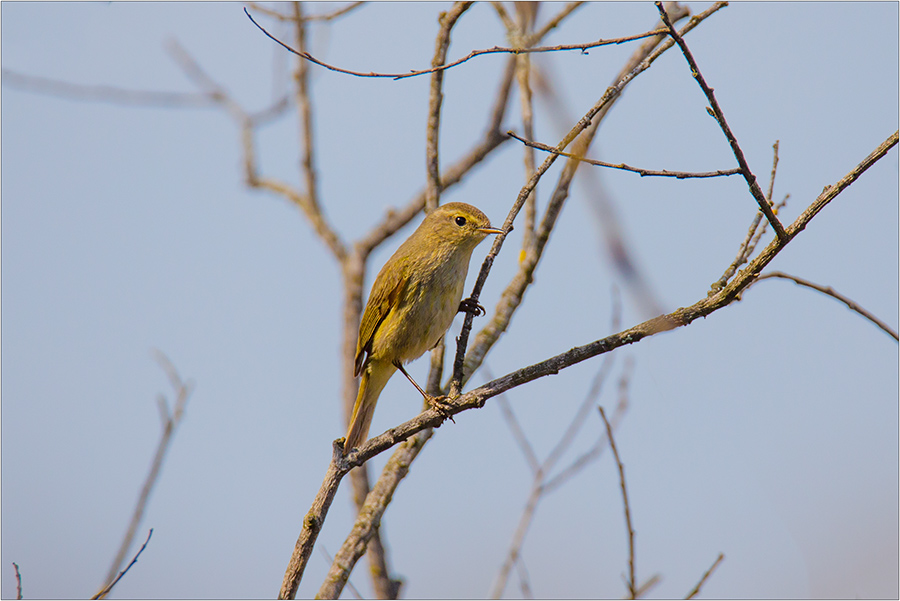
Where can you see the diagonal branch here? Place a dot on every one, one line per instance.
(696, 590)
(755, 190)
(170, 421)
(105, 590)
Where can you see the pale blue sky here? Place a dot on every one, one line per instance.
(767, 432)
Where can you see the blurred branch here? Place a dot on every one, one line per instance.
(293, 18)
(541, 475)
(829, 291)
(248, 124)
(696, 590)
(591, 454)
(110, 94)
(615, 452)
(524, 581)
(720, 118)
(553, 23)
(170, 421)
(648, 584)
(495, 50)
(105, 590)
(519, 34)
(353, 590)
(623, 166)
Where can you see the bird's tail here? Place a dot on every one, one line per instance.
(375, 375)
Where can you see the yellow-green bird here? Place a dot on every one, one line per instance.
(412, 304)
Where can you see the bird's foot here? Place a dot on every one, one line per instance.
(470, 305)
(441, 405)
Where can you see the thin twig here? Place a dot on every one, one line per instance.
(495, 50)
(749, 244)
(615, 452)
(170, 421)
(18, 581)
(829, 291)
(623, 166)
(720, 118)
(105, 590)
(696, 590)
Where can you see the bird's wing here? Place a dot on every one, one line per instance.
(384, 297)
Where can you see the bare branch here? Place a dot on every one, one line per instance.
(336, 13)
(515, 427)
(720, 118)
(110, 94)
(18, 581)
(755, 233)
(648, 584)
(105, 591)
(594, 452)
(615, 452)
(696, 590)
(369, 518)
(183, 392)
(829, 291)
(435, 100)
(541, 476)
(293, 18)
(495, 50)
(554, 22)
(623, 166)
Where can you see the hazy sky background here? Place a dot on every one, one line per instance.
(767, 432)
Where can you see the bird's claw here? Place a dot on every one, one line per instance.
(440, 404)
(470, 305)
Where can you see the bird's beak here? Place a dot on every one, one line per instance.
(490, 230)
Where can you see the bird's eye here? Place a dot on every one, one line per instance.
(460, 220)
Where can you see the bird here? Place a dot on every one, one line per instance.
(413, 301)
